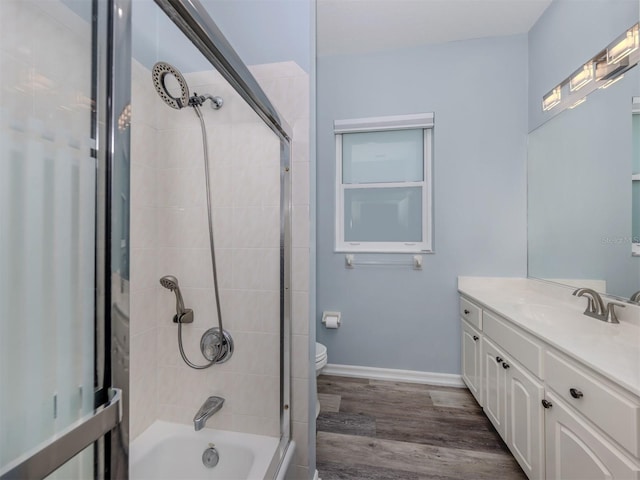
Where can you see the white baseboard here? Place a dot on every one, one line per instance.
(393, 375)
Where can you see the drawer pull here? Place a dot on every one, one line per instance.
(466, 312)
(575, 393)
(476, 338)
(498, 359)
(546, 403)
(505, 365)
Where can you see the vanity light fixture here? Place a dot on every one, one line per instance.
(624, 45)
(582, 77)
(552, 98)
(579, 102)
(611, 82)
(603, 70)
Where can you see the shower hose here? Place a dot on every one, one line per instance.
(221, 349)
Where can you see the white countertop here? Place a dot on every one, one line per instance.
(552, 314)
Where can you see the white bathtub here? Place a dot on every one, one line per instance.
(174, 451)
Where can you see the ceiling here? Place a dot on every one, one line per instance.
(362, 26)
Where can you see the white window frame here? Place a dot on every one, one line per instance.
(423, 121)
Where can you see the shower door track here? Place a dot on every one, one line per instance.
(49, 456)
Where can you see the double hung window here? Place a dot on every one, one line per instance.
(384, 189)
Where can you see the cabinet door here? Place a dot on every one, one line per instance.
(575, 451)
(525, 420)
(471, 360)
(494, 385)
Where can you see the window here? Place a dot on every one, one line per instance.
(383, 175)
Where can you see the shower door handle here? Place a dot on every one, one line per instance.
(65, 445)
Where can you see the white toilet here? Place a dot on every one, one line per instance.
(321, 361)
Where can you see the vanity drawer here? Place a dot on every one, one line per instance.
(471, 312)
(526, 350)
(615, 414)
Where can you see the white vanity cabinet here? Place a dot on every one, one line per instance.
(559, 419)
(512, 401)
(575, 450)
(471, 360)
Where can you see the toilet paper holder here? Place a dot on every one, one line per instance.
(331, 319)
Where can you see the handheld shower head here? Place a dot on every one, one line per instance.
(171, 283)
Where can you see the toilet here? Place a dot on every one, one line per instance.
(321, 361)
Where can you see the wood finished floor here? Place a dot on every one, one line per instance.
(374, 430)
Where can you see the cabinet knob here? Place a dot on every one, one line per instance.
(466, 312)
(475, 338)
(575, 393)
(546, 403)
(505, 365)
(498, 359)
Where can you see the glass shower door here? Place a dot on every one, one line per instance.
(47, 228)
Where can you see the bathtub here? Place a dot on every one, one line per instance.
(174, 451)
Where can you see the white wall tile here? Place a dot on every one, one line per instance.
(144, 231)
(300, 356)
(299, 399)
(143, 355)
(300, 269)
(183, 227)
(300, 313)
(143, 310)
(245, 179)
(143, 271)
(300, 183)
(181, 187)
(300, 432)
(143, 185)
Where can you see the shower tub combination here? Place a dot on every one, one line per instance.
(173, 451)
(181, 451)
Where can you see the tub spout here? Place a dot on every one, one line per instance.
(208, 408)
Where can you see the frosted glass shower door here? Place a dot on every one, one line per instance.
(47, 227)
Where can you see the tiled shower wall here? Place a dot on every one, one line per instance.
(169, 236)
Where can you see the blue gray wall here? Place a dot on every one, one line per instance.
(568, 34)
(396, 317)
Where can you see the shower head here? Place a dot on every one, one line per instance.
(171, 283)
(158, 74)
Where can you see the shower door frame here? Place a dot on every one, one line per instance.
(106, 428)
(194, 22)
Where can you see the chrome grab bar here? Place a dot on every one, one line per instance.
(59, 449)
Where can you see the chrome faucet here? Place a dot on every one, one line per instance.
(596, 308)
(635, 298)
(208, 408)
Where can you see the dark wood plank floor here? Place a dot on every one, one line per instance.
(374, 430)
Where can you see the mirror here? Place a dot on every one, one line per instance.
(583, 200)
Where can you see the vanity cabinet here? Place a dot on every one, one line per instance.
(513, 405)
(559, 419)
(575, 450)
(471, 360)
